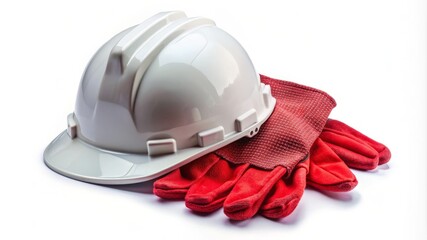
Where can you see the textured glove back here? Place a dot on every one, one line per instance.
(285, 139)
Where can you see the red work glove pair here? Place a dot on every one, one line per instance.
(268, 173)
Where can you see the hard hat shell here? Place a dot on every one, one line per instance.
(157, 96)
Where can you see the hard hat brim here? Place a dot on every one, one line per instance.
(74, 158)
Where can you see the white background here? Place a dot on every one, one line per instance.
(370, 55)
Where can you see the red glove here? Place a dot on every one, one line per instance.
(337, 146)
(239, 176)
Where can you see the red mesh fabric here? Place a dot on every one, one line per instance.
(286, 137)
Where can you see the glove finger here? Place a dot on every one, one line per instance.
(383, 152)
(245, 199)
(352, 151)
(209, 192)
(328, 171)
(286, 194)
(176, 184)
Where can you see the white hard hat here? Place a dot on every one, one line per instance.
(157, 96)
